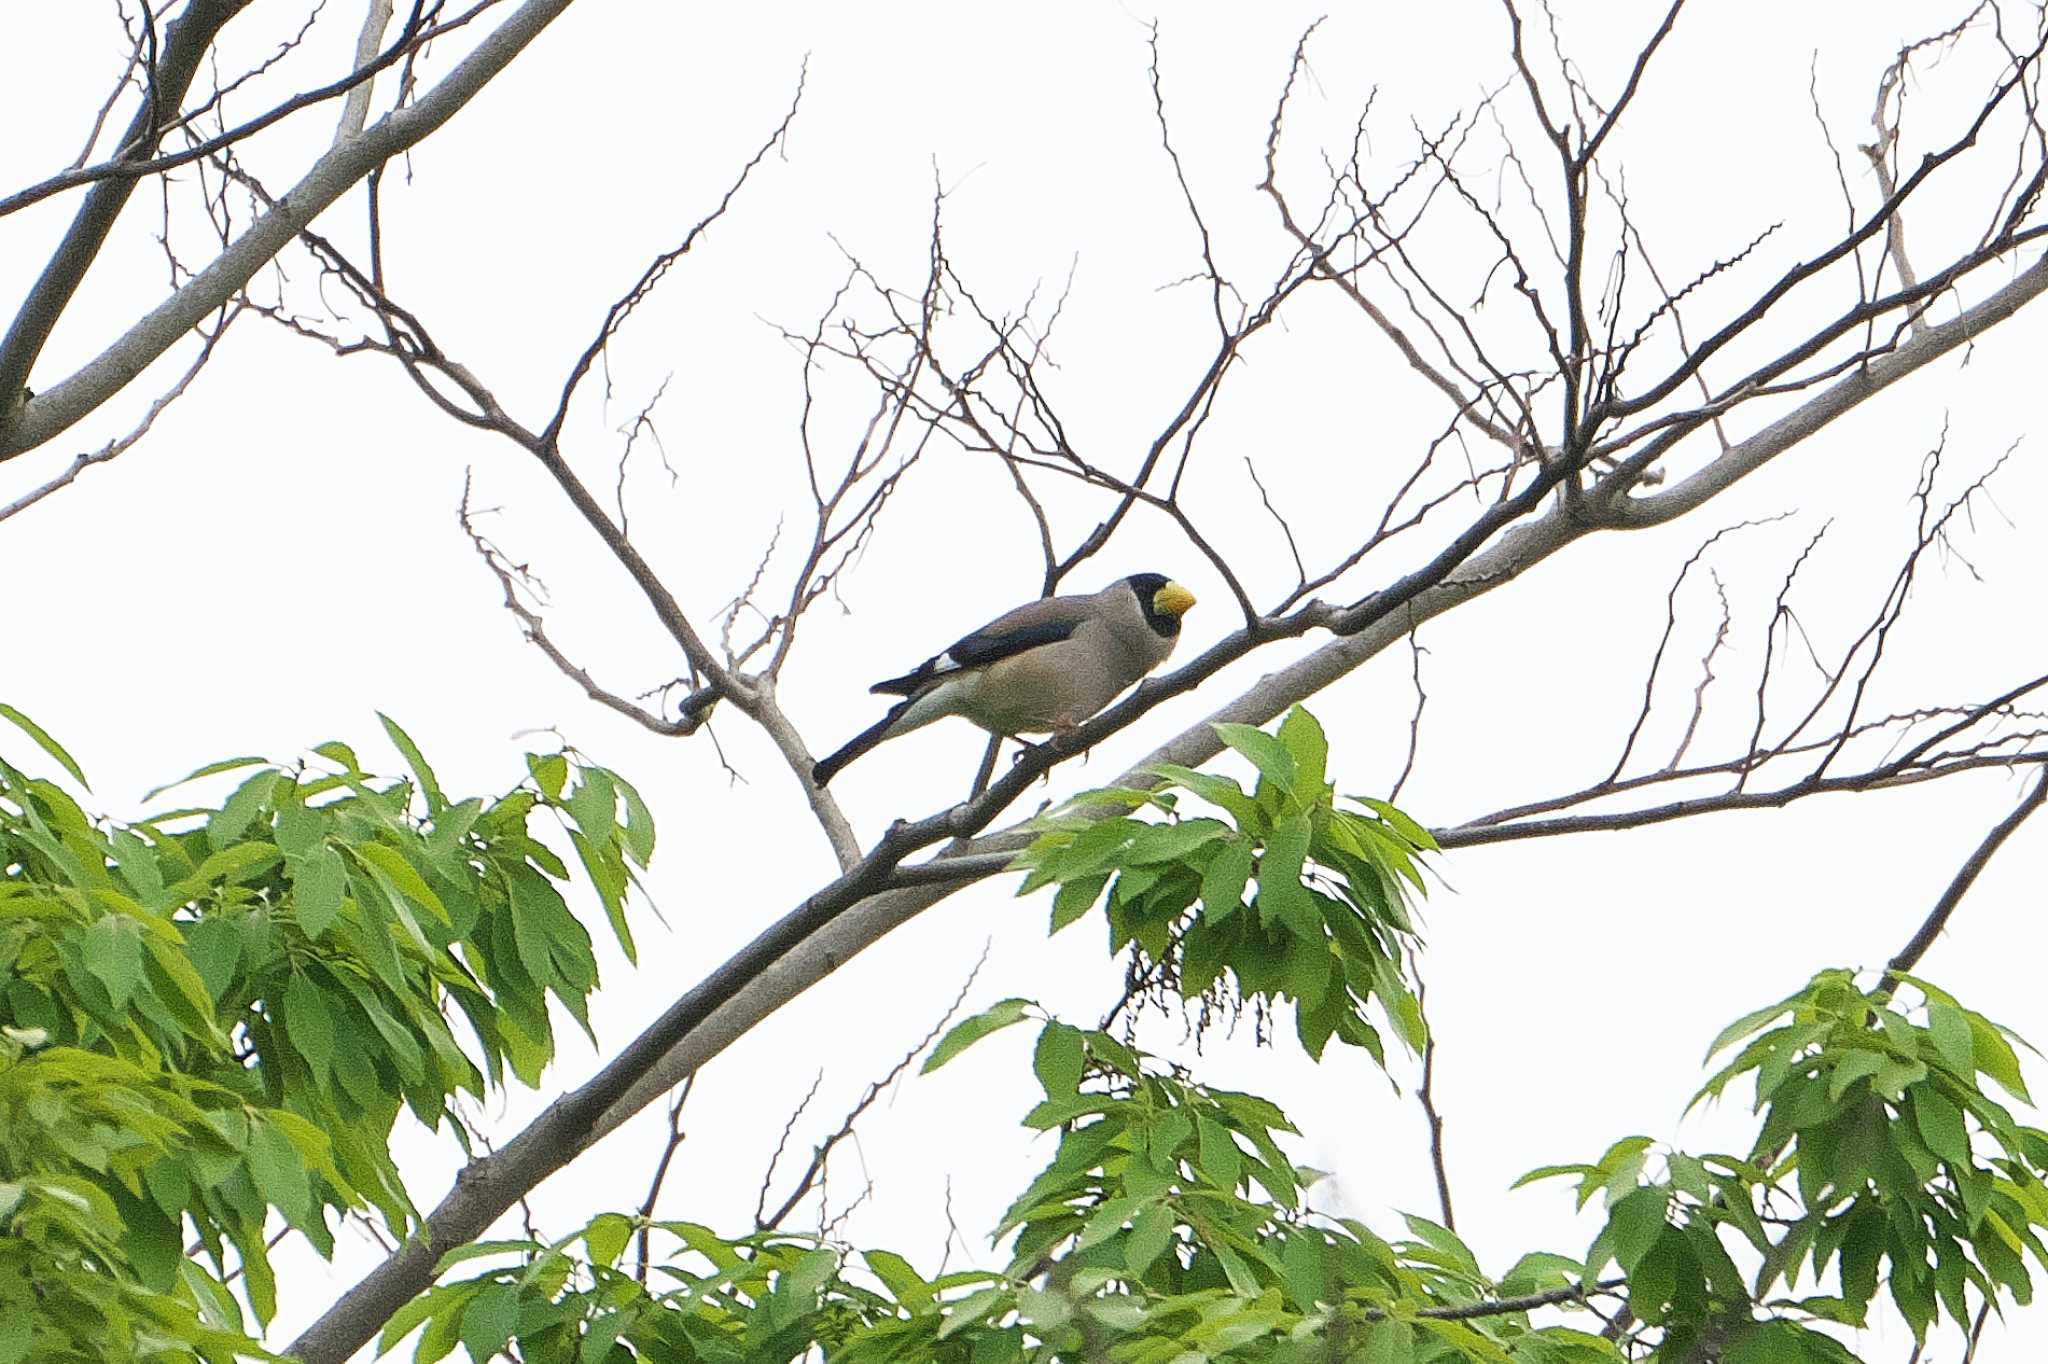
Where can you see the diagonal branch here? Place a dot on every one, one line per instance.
(57, 409)
(120, 445)
(1937, 919)
(128, 169)
(1863, 382)
(764, 1221)
(185, 46)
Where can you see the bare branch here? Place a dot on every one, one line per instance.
(1937, 919)
(185, 44)
(127, 169)
(1415, 653)
(55, 410)
(651, 277)
(661, 1168)
(815, 1170)
(356, 111)
(761, 1221)
(512, 578)
(120, 445)
(1426, 1094)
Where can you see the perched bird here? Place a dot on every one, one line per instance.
(1040, 669)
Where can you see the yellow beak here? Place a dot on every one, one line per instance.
(1172, 599)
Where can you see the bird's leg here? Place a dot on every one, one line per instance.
(1025, 748)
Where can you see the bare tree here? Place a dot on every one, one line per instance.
(1587, 391)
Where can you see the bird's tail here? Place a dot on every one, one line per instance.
(828, 768)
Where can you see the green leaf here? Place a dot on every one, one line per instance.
(235, 863)
(904, 1283)
(1633, 1225)
(974, 1309)
(1172, 842)
(416, 760)
(1407, 828)
(299, 826)
(409, 1316)
(1223, 880)
(1859, 1064)
(1220, 791)
(280, 1177)
(968, 1031)
(1302, 736)
(241, 809)
(45, 742)
(1949, 1027)
(606, 1237)
(1444, 1242)
(318, 882)
(392, 863)
(1058, 857)
(1543, 1172)
(490, 1318)
(607, 873)
(1058, 1059)
(1747, 1024)
(550, 772)
(594, 804)
(1076, 898)
(1994, 1056)
(639, 831)
(112, 949)
(1539, 1271)
(224, 765)
(1940, 1124)
(1113, 1053)
(1266, 753)
(1217, 1154)
(309, 1024)
(336, 752)
(1282, 897)
(1783, 1342)
(1150, 1234)
(1391, 1342)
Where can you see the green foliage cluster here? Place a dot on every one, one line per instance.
(211, 1020)
(1326, 927)
(1169, 1226)
(1881, 1158)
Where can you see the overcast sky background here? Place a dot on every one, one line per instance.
(280, 558)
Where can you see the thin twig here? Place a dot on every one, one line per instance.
(816, 1169)
(1959, 885)
(1426, 1093)
(668, 1155)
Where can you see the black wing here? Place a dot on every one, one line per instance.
(990, 644)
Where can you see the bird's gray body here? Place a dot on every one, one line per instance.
(1086, 651)
(1042, 668)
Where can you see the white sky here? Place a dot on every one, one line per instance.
(280, 558)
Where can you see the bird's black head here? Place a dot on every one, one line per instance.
(1163, 601)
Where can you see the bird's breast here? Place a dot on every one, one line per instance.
(1045, 689)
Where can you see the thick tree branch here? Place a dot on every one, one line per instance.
(185, 46)
(356, 85)
(51, 412)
